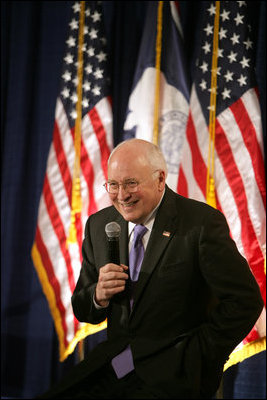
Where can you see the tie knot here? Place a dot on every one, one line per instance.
(139, 231)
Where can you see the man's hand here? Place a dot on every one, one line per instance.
(111, 280)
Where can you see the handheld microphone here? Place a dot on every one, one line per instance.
(113, 231)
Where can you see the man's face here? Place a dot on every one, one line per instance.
(135, 207)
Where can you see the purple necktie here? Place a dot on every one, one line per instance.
(123, 362)
(136, 256)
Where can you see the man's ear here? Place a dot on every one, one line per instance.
(162, 179)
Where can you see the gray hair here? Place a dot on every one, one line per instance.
(153, 153)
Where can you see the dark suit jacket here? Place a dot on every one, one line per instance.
(195, 299)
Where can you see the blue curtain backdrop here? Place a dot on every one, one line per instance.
(33, 38)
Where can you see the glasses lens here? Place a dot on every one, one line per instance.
(113, 187)
(131, 186)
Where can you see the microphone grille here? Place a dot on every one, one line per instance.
(113, 229)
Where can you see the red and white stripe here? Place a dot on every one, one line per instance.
(62, 263)
(239, 173)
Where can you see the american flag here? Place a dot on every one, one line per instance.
(58, 261)
(239, 172)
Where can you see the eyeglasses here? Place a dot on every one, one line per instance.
(130, 185)
(113, 187)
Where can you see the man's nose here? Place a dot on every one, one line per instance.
(123, 193)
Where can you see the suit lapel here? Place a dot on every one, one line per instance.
(161, 235)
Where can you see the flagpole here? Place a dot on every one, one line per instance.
(76, 201)
(157, 79)
(210, 189)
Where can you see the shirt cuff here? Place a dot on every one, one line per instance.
(97, 306)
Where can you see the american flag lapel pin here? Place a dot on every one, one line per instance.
(167, 234)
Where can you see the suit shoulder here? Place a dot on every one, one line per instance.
(196, 207)
(103, 213)
(102, 217)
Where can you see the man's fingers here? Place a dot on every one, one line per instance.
(113, 268)
(113, 276)
(106, 289)
(112, 272)
(112, 283)
(111, 280)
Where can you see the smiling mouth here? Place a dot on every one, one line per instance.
(130, 204)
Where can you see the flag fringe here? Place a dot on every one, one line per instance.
(85, 330)
(248, 350)
(82, 333)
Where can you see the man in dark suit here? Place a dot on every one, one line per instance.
(172, 326)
